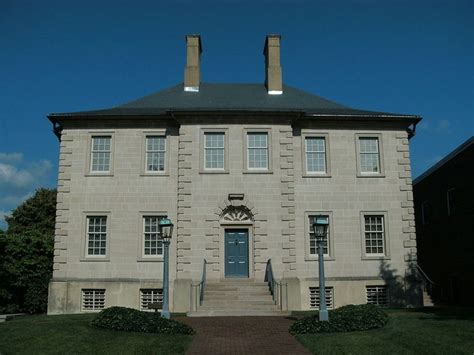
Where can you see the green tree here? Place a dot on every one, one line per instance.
(28, 264)
(37, 214)
(26, 254)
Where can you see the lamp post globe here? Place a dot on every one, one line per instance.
(320, 229)
(165, 228)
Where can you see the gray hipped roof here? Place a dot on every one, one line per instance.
(230, 97)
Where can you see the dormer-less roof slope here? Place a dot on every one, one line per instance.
(462, 148)
(228, 98)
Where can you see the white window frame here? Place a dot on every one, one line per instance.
(314, 297)
(155, 296)
(144, 255)
(155, 151)
(89, 153)
(385, 244)
(313, 240)
(330, 256)
(249, 149)
(381, 166)
(202, 148)
(255, 130)
(98, 299)
(206, 149)
(380, 293)
(88, 234)
(93, 151)
(307, 153)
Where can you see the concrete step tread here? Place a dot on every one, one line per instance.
(242, 302)
(237, 313)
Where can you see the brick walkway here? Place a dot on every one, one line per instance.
(243, 335)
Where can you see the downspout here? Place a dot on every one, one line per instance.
(57, 129)
(411, 131)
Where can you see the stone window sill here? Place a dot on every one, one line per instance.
(99, 174)
(360, 175)
(86, 259)
(158, 259)
(155, 174)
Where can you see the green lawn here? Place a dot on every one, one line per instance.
(73, 334)
(425, 331)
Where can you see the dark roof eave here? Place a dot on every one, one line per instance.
(410, 119)
(107, 114)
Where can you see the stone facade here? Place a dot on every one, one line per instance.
(276, 205)
(270, 208)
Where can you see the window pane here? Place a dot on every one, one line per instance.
(155, 153)
(315, 145)
(257, 150)
(97, 235)
(214, 150)
(214, 140)
(313, 250)
(152, 245)
(369, 163)
(369, 145)
(374, 235)
(100, 154)
(257, 140)
(369, 155)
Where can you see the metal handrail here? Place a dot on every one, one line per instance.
(425, 276)
(203, 283)
(276, 288)
(197, 289)
(428, 284)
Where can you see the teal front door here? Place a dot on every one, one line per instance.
(236, 253)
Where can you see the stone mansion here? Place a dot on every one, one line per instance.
(241, 170)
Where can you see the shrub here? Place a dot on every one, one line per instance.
(132, 320)
(345, 319)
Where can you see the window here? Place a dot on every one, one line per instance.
(369, 155)
(315, 154)
(96, 235)
(314, 297)
(426, 212)
(93, 299)
(374, 235)
(148, 296)
(451, 201)
(155, 153)
(377, 295)
(214, 149)
(100, 154)
(257, 151)
(152, 244)
(313, 250)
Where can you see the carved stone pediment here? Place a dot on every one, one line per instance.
(239, 214)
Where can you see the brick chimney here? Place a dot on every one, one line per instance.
(192, 71)
(273, 78)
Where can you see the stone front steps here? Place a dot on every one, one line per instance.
(240, 297)
(427, 300)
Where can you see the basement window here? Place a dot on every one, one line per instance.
(377, 295)
(93, 299)
(314, 297)
(148, 296)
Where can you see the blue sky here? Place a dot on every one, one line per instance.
(411, 57)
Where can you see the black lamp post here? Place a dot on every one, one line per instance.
(165, 227)
(320, 228)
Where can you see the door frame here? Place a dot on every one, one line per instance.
(249, 228)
